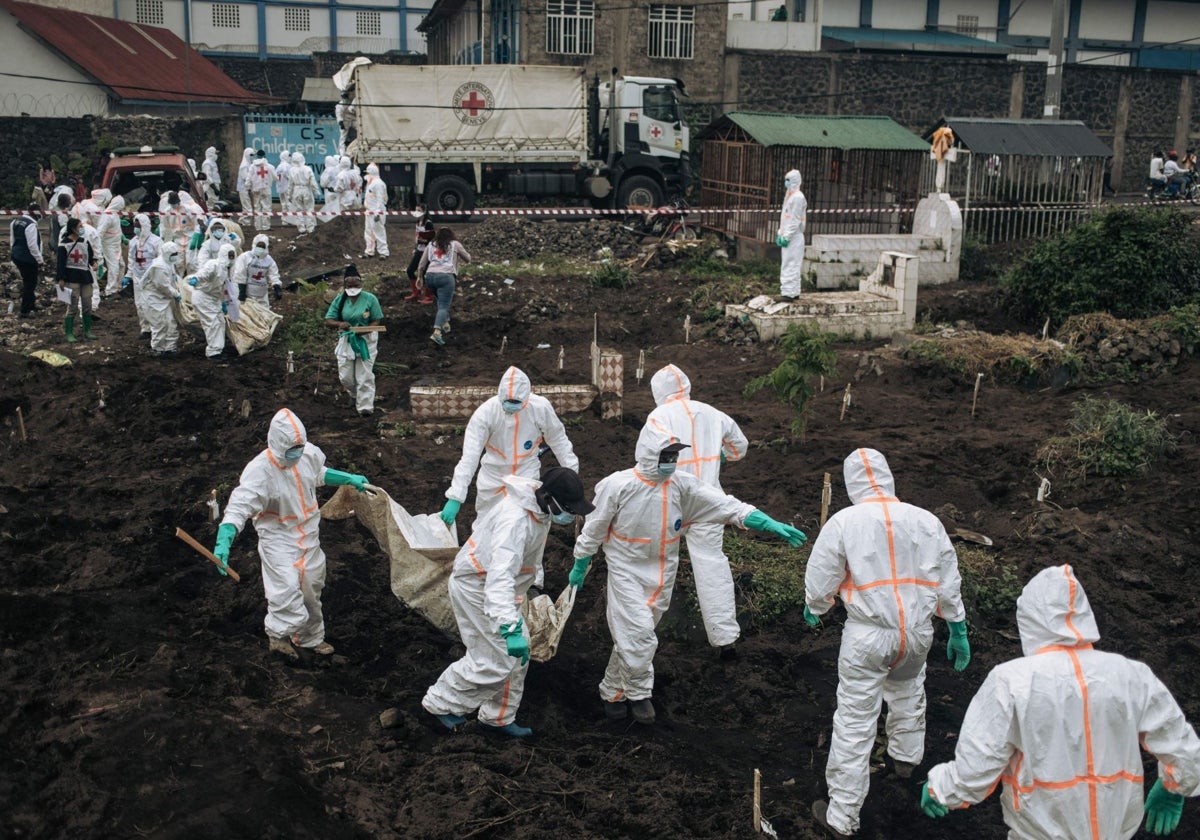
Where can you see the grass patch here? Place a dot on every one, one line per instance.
(990, 586)
(769, 575)
(1018, 359)
(612, 275)
(1105, 438)
(304, 331)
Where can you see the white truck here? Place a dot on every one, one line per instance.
(449, 133)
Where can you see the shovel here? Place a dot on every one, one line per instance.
(190, 540)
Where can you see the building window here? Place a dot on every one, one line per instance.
(296, 20)
(227, 15)
(967, 25)
(149, 12)
(368, 23)
(672, 31)
(570, 26)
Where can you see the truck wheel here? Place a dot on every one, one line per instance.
(639, 191)
(450, 194)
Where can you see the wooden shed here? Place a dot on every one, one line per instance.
(860, 174)
(1017, 179)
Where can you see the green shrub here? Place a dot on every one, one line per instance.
(974, 264)
(806, 355)
(304, 330)
(769, 575)
(1127, 262)
(612, 275)
(1184, 323)
(989, 586)
(1105, 438)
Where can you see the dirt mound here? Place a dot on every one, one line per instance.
(138, 696)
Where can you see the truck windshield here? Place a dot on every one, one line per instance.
(658, 103)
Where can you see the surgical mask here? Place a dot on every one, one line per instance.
(260, 251)
(218, 234)
(141, 233)
(511, 406)
(562, 518)
(667, 470)
(175, 259)
(292, 455)
(355, 292)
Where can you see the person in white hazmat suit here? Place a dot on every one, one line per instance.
(170, 218)
(303, 196)
(792, 221)
(492, 572)
(278, 490)
(243, 187)
(375, 199)
(504, 437)
(640, 517)
(715, 438)
(256, 273)
(349, 184)
(894, 567)
(283, 184)
(212, 176)
(211, 286)
(143, 249)
(328, 182)
(90, 213)
(1063, 728)
(110, 245)
(261, 178)
(194, 226)
(215, 238)
(158, 293)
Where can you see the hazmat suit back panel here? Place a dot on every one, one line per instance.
(1063, 724)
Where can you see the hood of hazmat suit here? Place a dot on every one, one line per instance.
(210, 153)
(298, 159)
(670, 383)
(514, 385)
(248, 155)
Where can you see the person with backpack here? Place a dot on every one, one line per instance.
(355, 352)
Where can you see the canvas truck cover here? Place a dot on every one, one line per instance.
(476, 113)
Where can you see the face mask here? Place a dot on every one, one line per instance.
(260, 251)
(292, 455)
(218, 234)
(666, 470)
(175, 259)
(355, 292)
(562, 518)
(142, 233)
(511, 406)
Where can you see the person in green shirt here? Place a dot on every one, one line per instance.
(355, 352)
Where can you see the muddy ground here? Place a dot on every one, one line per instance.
(136, 692)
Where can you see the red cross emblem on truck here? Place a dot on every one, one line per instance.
(474, 103)
(655, 132)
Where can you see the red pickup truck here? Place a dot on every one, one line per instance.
(143, 174)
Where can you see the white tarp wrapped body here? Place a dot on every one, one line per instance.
(546, 620)
(419, 576)
(185, 314)
(254, 327)
(487, 112)
(343, 77)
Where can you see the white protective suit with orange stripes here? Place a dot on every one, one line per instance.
(793, 218)
(1060, 727)
(894, 567)
(492, 572)
(500, 444)
(710, 434)
(640, 517)
(282, 501)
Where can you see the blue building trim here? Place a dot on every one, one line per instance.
(800, 12)
(1139, 22)
(1071, 40)
(333, 10)
(187, 22)
(261, 11)
(933, 10)
(1003, 13)
(864, 13)
(403, 7)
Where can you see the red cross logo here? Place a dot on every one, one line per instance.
(262, 172)
(655, 132)
(140, 257)
(258, 275)
(76, 256)
(474, 103)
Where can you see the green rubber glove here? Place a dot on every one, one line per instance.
(225, 536)
(781, 241)
(958, 648)
(335, 478)
(578, 572)
(723, 458)
(759, 521)
(932, 808)
(1163, 810)
(450, 511)
(515, 641)
(810, 619)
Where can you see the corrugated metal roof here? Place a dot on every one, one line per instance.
(917, 40)
(319, 89)
(136, 62)
(1039, 138)
(823, 131)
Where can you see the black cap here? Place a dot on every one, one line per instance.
(565, 487)
(351, 271)
(260, 153)
(676, 447)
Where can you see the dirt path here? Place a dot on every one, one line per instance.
(139, 700)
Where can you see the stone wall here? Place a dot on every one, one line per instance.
(1134, 111)
(77, 142)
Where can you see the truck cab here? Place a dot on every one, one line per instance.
(648, 156)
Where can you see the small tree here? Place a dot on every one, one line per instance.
(806, 354)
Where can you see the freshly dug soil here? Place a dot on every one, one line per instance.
(138, 697)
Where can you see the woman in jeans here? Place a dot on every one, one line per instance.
(437, 272)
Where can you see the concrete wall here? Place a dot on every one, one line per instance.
(30, 80)
(76, 142)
